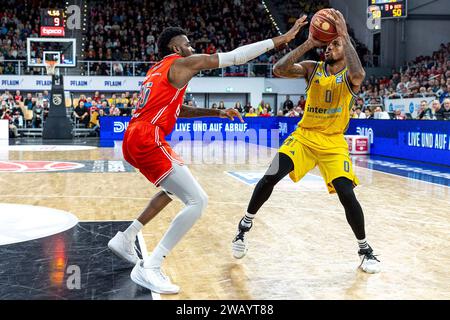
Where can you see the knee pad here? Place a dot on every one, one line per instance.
(199, 202)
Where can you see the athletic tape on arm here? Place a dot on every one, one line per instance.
(245, 53)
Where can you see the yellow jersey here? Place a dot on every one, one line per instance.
(328, 103)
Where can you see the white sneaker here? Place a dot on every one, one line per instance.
(239, 245)
(369, 262)
(153, 279)
(123, 248)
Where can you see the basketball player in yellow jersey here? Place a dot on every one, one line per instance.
(319, 138)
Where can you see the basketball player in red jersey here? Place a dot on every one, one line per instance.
(145, 147)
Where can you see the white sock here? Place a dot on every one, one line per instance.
(247, 220)
(133, 230)
(362, 244)
(156, 258)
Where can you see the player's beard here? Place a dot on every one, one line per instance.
(330, 61)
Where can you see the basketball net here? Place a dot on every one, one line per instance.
(50, 66)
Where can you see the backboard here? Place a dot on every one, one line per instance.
(41, 49)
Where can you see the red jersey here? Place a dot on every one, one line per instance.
(159, 102)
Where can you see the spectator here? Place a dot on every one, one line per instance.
(29, 102)
(268, 107)
(17, 119)
(301, 102)
(358, 114)
(288, 104)
(81, 115)
(251, 113)
(446, 107)
(221, 105)
(114, 111)
(17, 109)
(122, 101)
(265, 113)
(292, 113)
(104, 106)
(360, 104)
(10, 69)
(238, 107)
(94, 122)
(46, 96)
(102, 100)
(424, 112)
(40, 98)
(46, 108)
(118, 69)
(134, 99)
(380, 114)
(398, 115)
(126, 110)
(214, 106)
(247, 107)
(88, 103)
(6, 115)
(445, 93)
(97, 98)
(299, 111)
(3, 108)
(38, 114)
(113, 100)
(368, 113)
(437, 111)
(82, 98)
(18, 96)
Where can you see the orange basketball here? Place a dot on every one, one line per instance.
(322, 26)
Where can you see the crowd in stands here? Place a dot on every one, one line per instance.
(24, 111)
(19, 20)
(128, 31)
(425, 77)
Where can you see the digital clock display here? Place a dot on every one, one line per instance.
(52, 23)
(390, 8)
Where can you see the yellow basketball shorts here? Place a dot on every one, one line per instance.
(307, 149)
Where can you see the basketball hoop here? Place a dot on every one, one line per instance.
(50, 66)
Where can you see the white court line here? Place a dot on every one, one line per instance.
(141, 240)
(236, 178)
(408, 178)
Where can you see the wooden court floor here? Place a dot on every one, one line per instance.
(300, 247)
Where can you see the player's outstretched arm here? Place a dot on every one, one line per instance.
(192, 112)
(184, 69)
(356, 73)
(290, 67)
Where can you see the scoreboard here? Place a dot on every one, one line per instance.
(52, 23)
(390, 8)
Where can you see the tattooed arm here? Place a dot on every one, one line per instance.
(356, 73)
(192, 112)
(290, 67)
